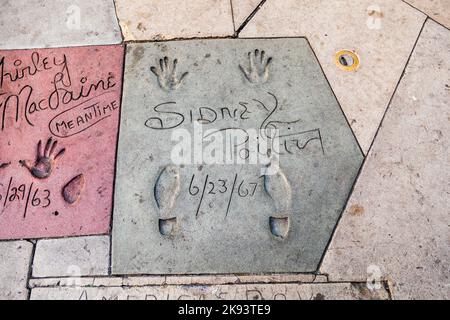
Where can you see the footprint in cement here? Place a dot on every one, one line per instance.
(278, 188)
(167, 190)
(73, 189)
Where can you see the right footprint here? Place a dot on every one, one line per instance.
(167, 190)
(279, 189)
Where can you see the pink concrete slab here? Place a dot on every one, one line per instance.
(71, 96)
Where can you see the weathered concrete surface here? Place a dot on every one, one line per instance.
(398, 216)
(15, 259)
(382, 33)
(153, 20)
(243, 221)
(29, 24)
(242, 9)
(328, 291)
(142, 281)
(72, 257)
(59, 117)
(436, 9)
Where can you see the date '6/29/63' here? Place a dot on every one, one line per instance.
(34, 197)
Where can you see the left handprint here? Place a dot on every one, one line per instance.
(167, 75)
(45, 159)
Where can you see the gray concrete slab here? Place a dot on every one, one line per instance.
(181, 215)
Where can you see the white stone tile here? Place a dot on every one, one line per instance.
(108, 282)
(436, 9)
(73, 257)
(242, 9)
(140, 281)
(276, 278)
(396, 224)
(234, 279)
(382, 33)
(15, 259)
(63, 282)
(320, 278)
(154, 20)
(329, 291)
(193, 280)
(39, 24)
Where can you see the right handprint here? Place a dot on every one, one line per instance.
(258, 70)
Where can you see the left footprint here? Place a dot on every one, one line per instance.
(72, 190)
(167, 190)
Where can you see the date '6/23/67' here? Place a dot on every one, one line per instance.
(213, 187)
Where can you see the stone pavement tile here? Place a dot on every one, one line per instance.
(59, 117)
(232, 279)
(73, 257)
(140, 281)
(382, 34)
(108, 282)
(320, 278)
(438, 10)
(276, 278)
(83, 282)
(319, 291)
(40, 24)
(143, 281)
(153, 20)
(396, 224)
(242, 9)
(192, 280)
(15, 259)
(260, 223)
(63, 282)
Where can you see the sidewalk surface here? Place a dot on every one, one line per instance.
(78, 79)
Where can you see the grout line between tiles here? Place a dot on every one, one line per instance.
(111, 223)
(429, 17)
(118, 20)
(30, 268)
(232, 15)
(250, 17)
